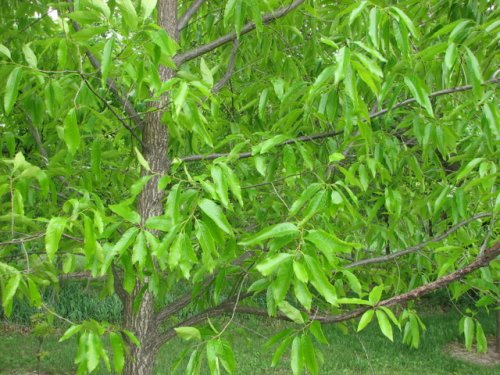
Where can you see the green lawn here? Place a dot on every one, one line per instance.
(365, 353)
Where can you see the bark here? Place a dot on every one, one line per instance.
(154, 149)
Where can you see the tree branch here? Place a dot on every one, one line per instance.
(192, 10)
(481, 261)
(230, 68)
(201, 50)
(308, 138)
(418, 247)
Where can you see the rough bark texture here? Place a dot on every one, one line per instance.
(154, 150)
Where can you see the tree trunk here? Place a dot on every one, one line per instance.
(140, 361)
(155, 150)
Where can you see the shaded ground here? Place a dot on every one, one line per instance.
(490, 359)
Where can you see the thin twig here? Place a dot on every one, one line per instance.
(412, 249)
(105, 102)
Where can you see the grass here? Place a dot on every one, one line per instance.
(365, 353)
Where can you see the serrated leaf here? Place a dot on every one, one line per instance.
(118, 347)
(140, 250)
(468, 332)
(274, 231)
(270, 264)
(126, 212)
(291, 312)
(188, 333)
(214, 212)
(375, 294)
(384, 324)
(128, 12)
(71, 131)
(366, 318)
(5, 51)
(147, 7)
(106, 60)
(343, 60)
(9, 291)
(142, 161)
(29, 56)
(12, 89)
(53, 234)
(71, 331)
(296, 360)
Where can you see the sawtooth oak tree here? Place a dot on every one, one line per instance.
(307, 160)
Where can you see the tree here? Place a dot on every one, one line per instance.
(336, 158)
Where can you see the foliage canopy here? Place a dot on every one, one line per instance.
(315, 161)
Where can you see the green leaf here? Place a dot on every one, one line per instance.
(71, 131)
(5, 51)
(128, 12)
(118, 347)
(300, 271)
(407, 21)
(106, 60)
(270, 264)
(384, 324)
(328, 244)
(302, 294)
(353, 282)
(220, 185)
(306, 195)
(280, 350)
(366, 318)
(12, 89)
(309, 355)
(233, 182)
(9, 291)
(71, 331)
(140, 250)
(464, 172)
(450, 56)
(188, 333)
(124, 211)
(317, 331)
(419, 93)
(343, 60)
(147, 7)
(214, 212)
(180, 97)
(291, 312)
(29, 56)
(101, 6)
(375, 294)
(296, 360)
(468, 332)
(142, 161)
(357, 11)
(206, 73)
(123, 243)
(482, 344)
(274, 231)
(53, 234)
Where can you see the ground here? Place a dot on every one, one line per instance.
(365, 353)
